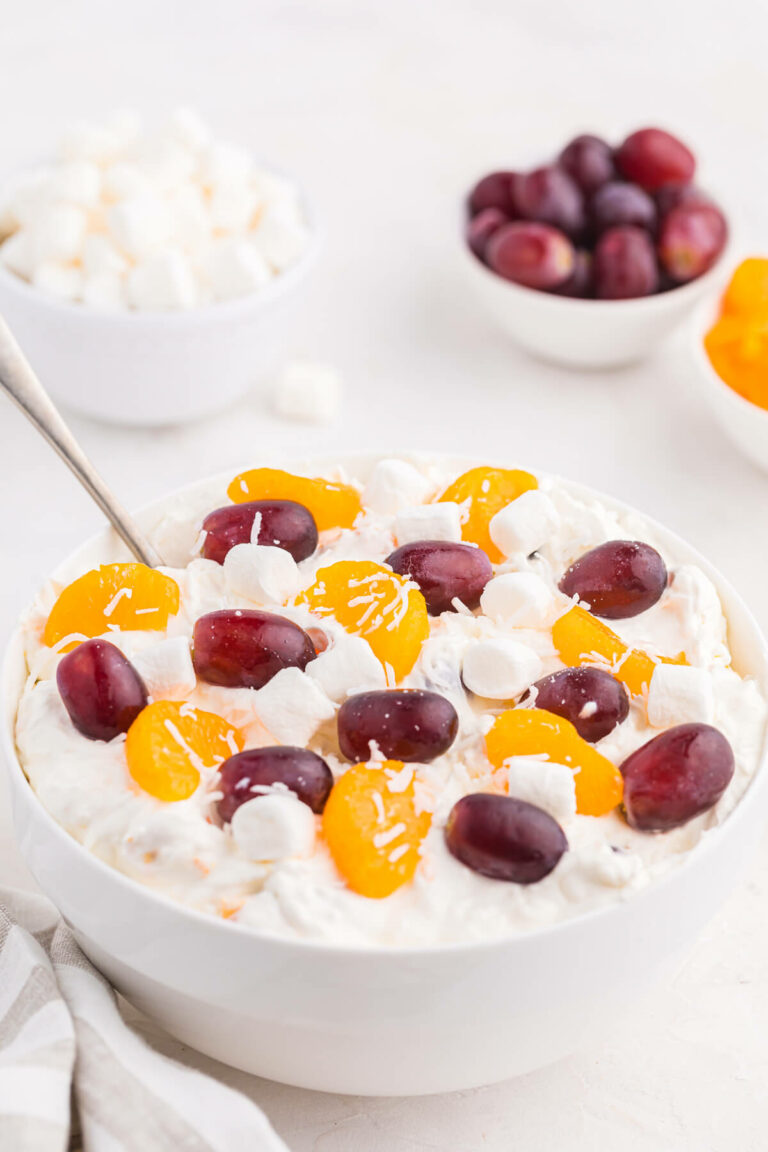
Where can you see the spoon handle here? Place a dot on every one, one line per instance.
(19, 382)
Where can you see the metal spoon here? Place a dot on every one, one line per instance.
(19, 382)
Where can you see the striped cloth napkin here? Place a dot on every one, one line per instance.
(63, 1041)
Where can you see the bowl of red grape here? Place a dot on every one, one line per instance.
(592, 259)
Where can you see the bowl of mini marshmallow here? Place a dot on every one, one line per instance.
(148, 274)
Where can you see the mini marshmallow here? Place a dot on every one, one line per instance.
(140, 225)
(309, 392)
(104, 291)
(679, 694)
(59, 232)
(547, 785)
(161, 283)
(525, 524)
(125, 181)
(394, 484)
(232, 207)
(292, 706)
(236, 268)
(190, 219)
(499, 669)
(518, 600)
(428, 522)
(18, 254)
(77, 182)
(275, 826)
(101, 257)
(280, 235)
(61, 280)
(348, 666)
(226, 164)
(261, 573)
(166, 669)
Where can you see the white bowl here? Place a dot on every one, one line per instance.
(379, 1021)
(155, 368)
(745, 423)
(586, 333)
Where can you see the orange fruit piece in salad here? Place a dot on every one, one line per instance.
(535, 732)
(747, 292)
(370, 600)
(580, 638)
(737, 347)
(332, 505)
(131, 597)
(373, 829)
(486, 491)
(169, 743)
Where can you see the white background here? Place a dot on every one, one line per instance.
(386, 111)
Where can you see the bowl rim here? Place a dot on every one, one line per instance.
(708, 842)
(703, 319)
(224, 310)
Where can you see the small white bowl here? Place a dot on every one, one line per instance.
(586, 333)
(155, 368)
(376, 1021)
(745, 423)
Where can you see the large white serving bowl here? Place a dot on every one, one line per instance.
(156, 368)
(381, 1021)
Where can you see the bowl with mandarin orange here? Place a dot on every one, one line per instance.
(339, 792)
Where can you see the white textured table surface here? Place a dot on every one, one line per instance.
(386, 112)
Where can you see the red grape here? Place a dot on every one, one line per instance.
(618, 579)
(482, 227)
(625, 264)
(618, 203)
(102, 691)
(676, 776)
(444, 571)
(284, 524)
(304, 772)
(652, 157)
(589, 161)
(594, 701)
(533, 255)
(245, 648)
(504, 838)
(494, 191)
(549, 196)
(692, 237)
(406, 724)
(580, 282)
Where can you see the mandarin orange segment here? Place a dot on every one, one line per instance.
(373, 829)
(370, 600)
(737, 347)
(747, 292)
(486, 491)
(534, 732)
(129, 596)
(169, 743)
(332, 505)
(580, 638)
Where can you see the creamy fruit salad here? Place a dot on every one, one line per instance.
(403, 706)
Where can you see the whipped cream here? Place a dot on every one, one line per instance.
(181, 850)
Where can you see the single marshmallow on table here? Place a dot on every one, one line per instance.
(261, 573)
(525, 524)
(395, 484)
(275, 826)
(679, 694)
(292, 706)
(547, 785)
(306, 391)
(441, 521)
(499, 669)
(518, 600)
(166, 669)
(348, 666)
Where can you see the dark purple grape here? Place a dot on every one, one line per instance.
(589, 161)
(594, 701)
(496, 190)
(406, 724)
(102, 691)
(482, 227)
(533, 255)
(676, 776)
(504, 838)
(580, 283)
(244, 774)
(549, 196)
(670, 195)
(652, 157)
(284, 524)
(444, 571)
(244, 648)
(618, 203)
(618, 579)
(625, 264)
(692, 237)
